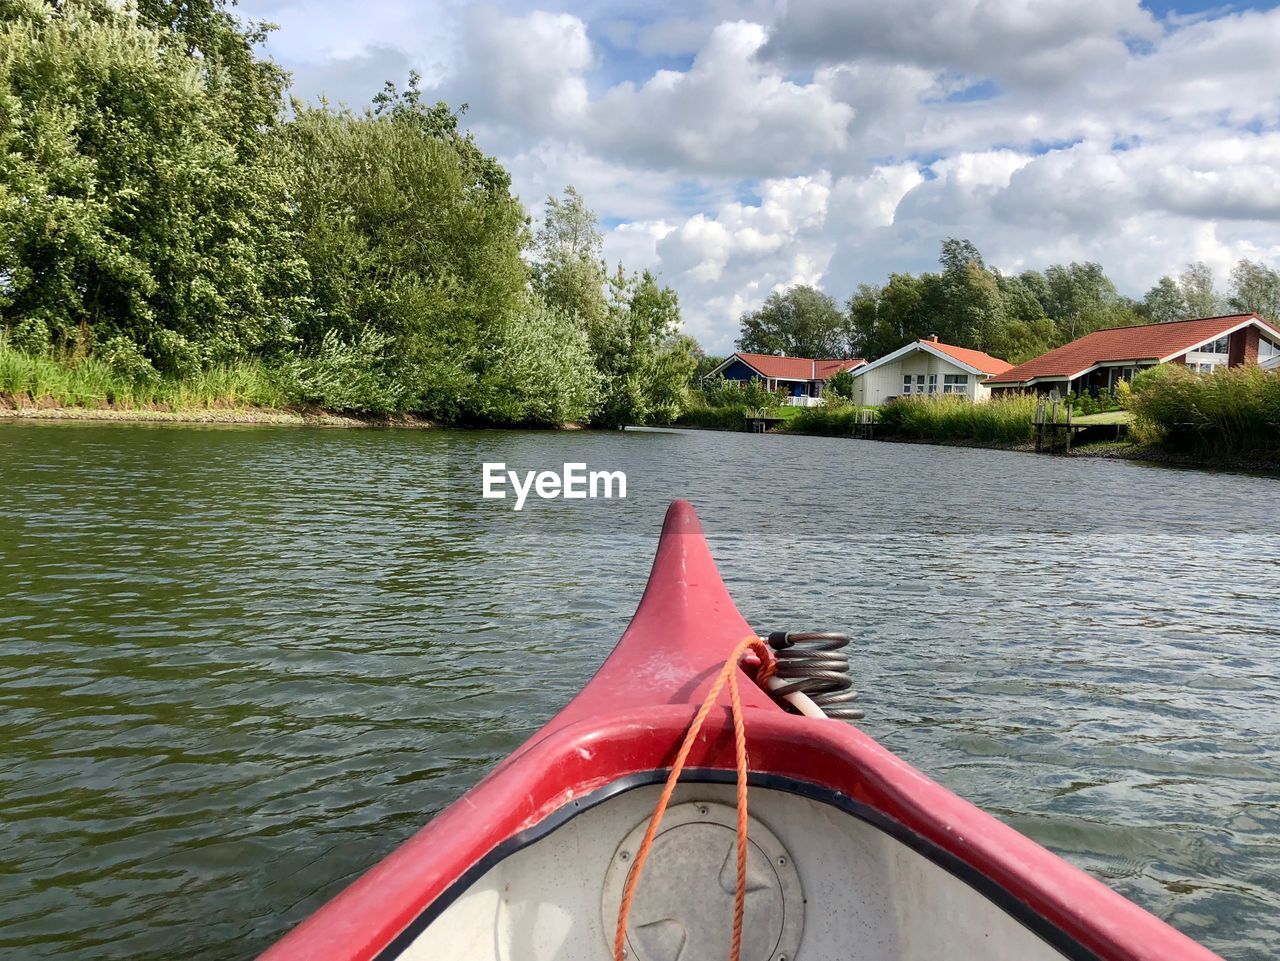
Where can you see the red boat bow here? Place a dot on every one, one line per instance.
(624, 728)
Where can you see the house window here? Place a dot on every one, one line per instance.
(1266, 349)
(1219, 346)
(919, 383)
(933, 383)
(955, 384)
(906, 384)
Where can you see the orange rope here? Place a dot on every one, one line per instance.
(729, 675)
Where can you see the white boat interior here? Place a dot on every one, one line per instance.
(822, 885)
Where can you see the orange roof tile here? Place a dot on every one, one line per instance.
(1152, 342)
(797, 368)
(974, 358)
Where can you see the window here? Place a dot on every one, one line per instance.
(933, 383)
(906, 384)
(955, 384)
(1266, 349)
(1219, 346)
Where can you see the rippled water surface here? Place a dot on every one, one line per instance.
(239, 665)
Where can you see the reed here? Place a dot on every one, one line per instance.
(1000, 420)
(1232, 412)
(728, 417)
(829, 420)
(90, 382)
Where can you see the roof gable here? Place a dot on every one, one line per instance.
(974, 361)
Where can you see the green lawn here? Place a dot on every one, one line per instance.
(1109, 417)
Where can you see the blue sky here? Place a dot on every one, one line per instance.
(740, 146)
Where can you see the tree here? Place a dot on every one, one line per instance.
(138, 196)
(839, 385)
(801, 322)
(1080, 299)
(539, 370)
(1165, 301)
(1255, 288)
(568, 266)
(398, 240)
(646, 364)
(1196, 286)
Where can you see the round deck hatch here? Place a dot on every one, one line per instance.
(683, 908)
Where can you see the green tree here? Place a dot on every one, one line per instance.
(401, 238)
(1196, 286)
(839, 385)
(1165, 301)
(1255, 288)
(568, 268)
(801, 322)
(646, 364)
(135, 194)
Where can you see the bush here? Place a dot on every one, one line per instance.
(344, 376)
(126, 359)
(173, 354)
(718, 392)
(31, 336)
(540, 371)
(1105, 401)
(1230, 412)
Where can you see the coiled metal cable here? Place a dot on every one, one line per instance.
(813, 663)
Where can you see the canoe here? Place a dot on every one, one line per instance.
(847, 852)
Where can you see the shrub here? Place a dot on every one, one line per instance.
(344, 376)
(730, 417)
(30, 336)
(718, 392)
(830, 420)
(126, 359)
(540, 371)
(173, 354)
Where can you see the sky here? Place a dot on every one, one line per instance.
(738, 147)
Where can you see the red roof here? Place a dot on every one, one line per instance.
(974, 358)
(797, 368)
(1152, 342)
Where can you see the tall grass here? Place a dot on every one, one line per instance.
(829, 420)
(1002, 420)
(729, 417)
(90, 382)
(1233, 412)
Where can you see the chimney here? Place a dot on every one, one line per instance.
(932, 338)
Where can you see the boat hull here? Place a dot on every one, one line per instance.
(815, 782)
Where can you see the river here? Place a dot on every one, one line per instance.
(239, 665)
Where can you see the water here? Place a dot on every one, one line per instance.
(239, 665)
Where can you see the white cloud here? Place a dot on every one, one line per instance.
(835, 141)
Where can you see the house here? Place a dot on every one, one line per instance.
(1098, 361)
(801, 377)
(926, 367)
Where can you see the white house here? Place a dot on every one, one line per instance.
(926, 367)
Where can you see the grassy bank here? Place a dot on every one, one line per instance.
(34, 381)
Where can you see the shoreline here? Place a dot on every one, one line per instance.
(247, 416)
(1101, 450)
